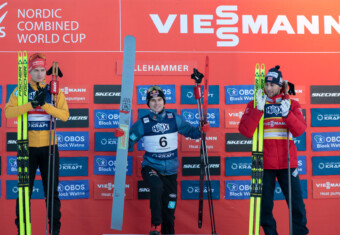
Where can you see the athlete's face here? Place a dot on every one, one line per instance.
(156, 104)
(272, 89)
(38, 74)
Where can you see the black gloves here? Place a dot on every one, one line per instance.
(39, 98)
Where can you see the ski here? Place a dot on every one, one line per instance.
(22, 145)
(257, 160)
(124, 124)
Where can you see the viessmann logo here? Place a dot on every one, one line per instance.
(2, 17)
(226, 19)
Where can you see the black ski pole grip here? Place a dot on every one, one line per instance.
(197, 76)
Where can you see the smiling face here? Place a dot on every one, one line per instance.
(156, 104)
(38, 74)
(272, 89)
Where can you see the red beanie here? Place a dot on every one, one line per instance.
(36, 60)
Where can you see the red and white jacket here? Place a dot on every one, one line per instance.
(275, 155)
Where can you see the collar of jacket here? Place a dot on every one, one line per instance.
(33, 84)
(276, 99)
(157, 116)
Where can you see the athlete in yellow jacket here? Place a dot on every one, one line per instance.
(40, 109)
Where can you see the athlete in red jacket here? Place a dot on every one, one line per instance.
(280, 113)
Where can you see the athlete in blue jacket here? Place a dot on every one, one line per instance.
(159, 130)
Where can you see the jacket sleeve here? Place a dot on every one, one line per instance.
(12, 109)
(186, 129)
(295, 120)
(136, 133)
(249, 120)
(61, 111)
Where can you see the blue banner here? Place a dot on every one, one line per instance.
(12, 189)
(239, 94)
(190, 189)
(144, 112)
(107, 118)
(77, 140)
(169, 92)
(326, 165)
(73, 166)
(302, 167)
(191, 116)
(237, 166)
(325, 117)
(73, 189)
(9, 90)
(188, 97)
(326, 141)
(237, 189)
(278, 195)
(106, 165)
(300, 142)
(12, 168)
(105, 141)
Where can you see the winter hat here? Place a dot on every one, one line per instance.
(36, 60)
(274, 76)
(154, 91)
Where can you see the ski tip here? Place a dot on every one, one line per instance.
(130, 38)
(262, 66)
(257, 66)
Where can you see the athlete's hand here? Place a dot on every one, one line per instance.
(285, 106)
(260, 99)
(118, 132)
(205, 127)
(39, 98)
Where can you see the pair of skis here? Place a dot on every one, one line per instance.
(22, 145)
(257, 159)
(204, 163)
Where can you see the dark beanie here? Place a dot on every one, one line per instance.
(274, 76)
(154, 91)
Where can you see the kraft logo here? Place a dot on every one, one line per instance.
(2, 17)
(142, 91)
(321, 165)
(320, 139)
(190, 94)
(232, 91)
(272, 109)
(160, 127)
(189, 115)
(278, 190)
(101, 162)
(101, 116)
(232, 187)
(109, 141)
(320, 117)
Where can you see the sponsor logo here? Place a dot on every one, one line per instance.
(300, 142)
(143, 190)
(326, 188)
(187, 94)
(237, 189)
(73, 140)
(273, 109)
(76, 94)
(75, 189)
(106, 165)
(227, 25)
(325, 94)
(237, 166)
(3, 14)
(191, 166)
(168, 90)
(325, 117)
(12, 189)
(192, 116)
(11, 138)
(190, 190)
(103, 189)
(326, 165)
(240, 94)
(107, 94)
(73, 166)
(235, 142)
(212, 142)
(326, 141)
(78, 118)
(160, 127)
